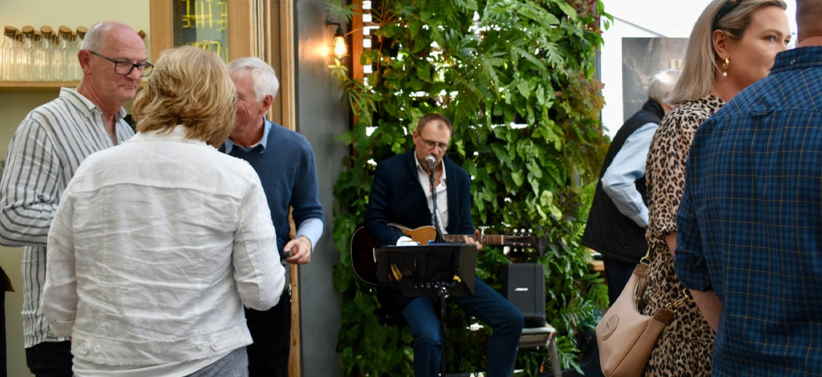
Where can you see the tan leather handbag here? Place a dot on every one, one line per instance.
(625, 336)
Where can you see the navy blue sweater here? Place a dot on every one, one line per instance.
(289, 176)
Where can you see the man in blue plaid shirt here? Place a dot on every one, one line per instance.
(750, 220)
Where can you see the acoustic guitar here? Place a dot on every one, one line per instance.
(364, 247)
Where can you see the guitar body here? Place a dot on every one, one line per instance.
(363, 256)
(364, 247)
(424, 234)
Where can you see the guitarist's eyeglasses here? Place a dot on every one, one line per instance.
(431, 144)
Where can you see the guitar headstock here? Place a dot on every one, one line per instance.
(520, 240)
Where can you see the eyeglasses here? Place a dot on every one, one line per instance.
(124, 68)
(726, 8)
(431, 144)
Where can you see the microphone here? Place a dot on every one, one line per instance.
(432, 162)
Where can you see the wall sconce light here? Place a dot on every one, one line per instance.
(339, 49)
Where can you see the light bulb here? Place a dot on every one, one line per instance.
(340, 49)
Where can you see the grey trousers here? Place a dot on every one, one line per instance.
(235, 364)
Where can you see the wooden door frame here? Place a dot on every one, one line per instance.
(242, 39)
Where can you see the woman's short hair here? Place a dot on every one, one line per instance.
(191, 87)
(699, 67)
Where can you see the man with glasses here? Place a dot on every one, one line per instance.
(44, 153)
(402, 194)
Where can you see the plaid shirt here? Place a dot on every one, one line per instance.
(750, 221)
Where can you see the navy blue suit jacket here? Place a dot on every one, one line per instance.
(398, 197)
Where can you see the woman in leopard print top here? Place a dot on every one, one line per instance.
(733, 44)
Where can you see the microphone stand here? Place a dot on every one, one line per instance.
(434, 217)
(443, 290)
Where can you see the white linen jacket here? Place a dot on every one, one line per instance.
(156, 246)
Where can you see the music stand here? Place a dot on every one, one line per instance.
(434, 270)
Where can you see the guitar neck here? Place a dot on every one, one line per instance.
(490, 240)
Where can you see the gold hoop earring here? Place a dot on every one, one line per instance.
(725, 67)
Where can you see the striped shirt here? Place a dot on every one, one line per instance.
(750, 221)
(44, 153)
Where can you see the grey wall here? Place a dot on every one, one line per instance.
(321, 115)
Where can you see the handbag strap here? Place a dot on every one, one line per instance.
(686, 297)
(646, 260)
(641, 283)
(639, 288)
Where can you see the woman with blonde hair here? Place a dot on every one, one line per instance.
(158, 243)
(732, 45)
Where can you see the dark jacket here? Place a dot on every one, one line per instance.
(608, 231)
(398, 197)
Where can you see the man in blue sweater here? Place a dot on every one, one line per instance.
(285, 163)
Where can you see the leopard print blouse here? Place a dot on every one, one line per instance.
(685, 346)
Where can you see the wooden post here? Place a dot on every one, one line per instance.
(356, 41)
(289, 120)
(242, 34)
(287, 65)
(162, 27)
(294, 367)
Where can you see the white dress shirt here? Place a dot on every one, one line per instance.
(156, 246)
(442, 201)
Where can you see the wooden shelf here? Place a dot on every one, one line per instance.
(35, 86)
(43, 86)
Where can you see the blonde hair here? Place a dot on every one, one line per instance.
(191, 87)
(699, 68)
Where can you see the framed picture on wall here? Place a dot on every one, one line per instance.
(641, 59)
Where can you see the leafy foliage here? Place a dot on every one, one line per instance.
(517, 78)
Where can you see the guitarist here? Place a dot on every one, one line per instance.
(402, 194)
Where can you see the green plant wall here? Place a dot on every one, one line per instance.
(518, 80)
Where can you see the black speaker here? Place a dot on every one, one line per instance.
(523, 284)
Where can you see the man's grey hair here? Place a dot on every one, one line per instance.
(263, 76)
(94, 38)
(662, 84)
